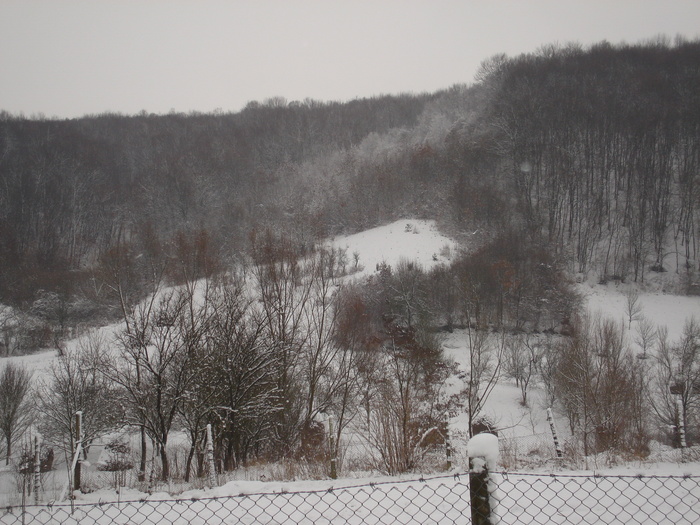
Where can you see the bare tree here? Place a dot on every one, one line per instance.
(406, 407)
(119, 275)
(548, 370)
(15, 409)
(647, 335)
(327, 359)
(154, 371)
(349, 335)
(284, 287)
(77, 382)
(633, 308)
(677, 380)
(9, 321)
(407, 291)
(599, 384)
(239, 371)
(486, 357)
(522, 355)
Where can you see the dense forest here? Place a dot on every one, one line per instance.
(590, 155)
(570, 161)
(596, 149)
(73, 190)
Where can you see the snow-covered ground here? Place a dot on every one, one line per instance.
(417, 241)
(420, 241)
(671, 311)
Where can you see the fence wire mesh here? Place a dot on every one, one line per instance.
(525, 498)
(517, 498)
(437, 500)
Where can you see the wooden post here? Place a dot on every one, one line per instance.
(37, 470)
(483, 455)
(78, 445)
(24, 498)
(479, 495)
(681, 422)
(331, 436)
(553, 428)
(448, 442)
(210, 457)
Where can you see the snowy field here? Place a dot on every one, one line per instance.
(420, 241)
(417, 241)
(671, 311)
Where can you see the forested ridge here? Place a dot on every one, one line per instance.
(202, 235)
(73, 189)
(590, 154)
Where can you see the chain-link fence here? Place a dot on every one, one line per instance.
(516, 498)
(526, 498)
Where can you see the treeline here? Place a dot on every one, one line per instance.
(604, 151)
(589, 154)
(72, 190)
(594, 150)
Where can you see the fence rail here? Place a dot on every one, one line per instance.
(520, 498)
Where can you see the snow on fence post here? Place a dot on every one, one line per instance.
(210, 457)
(482, 450)
(553, 428)
(37, 470)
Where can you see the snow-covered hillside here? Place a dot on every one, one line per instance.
(417, 241)
(421, 241)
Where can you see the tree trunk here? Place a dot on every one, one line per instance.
(142, 464)
(188, 463)
(165, 474)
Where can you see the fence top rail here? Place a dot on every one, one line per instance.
(185, 499)
(597, 475)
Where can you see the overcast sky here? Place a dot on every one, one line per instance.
(67, 58)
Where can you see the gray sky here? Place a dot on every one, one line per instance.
(67, 58)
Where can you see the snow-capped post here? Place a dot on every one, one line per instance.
(331, 438)
(210, 457)
(482, 450)
(553, 428)
(77, 449)
(37, 470)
